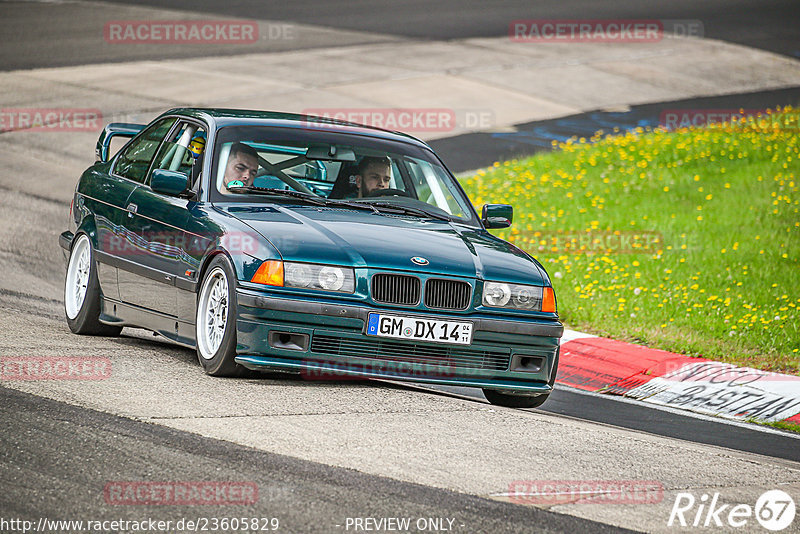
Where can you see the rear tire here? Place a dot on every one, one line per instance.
(215, 322)
(514, 401)
(82, 292)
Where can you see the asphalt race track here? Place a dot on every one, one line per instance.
(322, 452)
(31, 30)
(304, 496)
(769, 25)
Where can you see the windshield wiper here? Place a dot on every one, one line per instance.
(320, 201)
(410, 211)
(280, 192)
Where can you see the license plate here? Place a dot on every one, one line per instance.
(419, 329)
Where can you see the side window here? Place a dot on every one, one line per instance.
(183, 150)
(397, 178)
(134, 161)
(434, 188)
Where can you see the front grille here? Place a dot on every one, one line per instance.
(396, 289)
(400, 351)
(447, 294)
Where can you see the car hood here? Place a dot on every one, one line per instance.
(382, 241)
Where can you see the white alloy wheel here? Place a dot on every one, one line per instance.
(212, 313)
(77, 280)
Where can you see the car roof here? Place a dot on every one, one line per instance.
(220, 117)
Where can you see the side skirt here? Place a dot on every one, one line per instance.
(118, 313)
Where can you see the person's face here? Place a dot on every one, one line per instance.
(376, 176)
(241, 167)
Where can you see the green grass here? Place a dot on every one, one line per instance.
(780, 425)
(720, 276)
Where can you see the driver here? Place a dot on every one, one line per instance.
(373, 173)
(242, 164)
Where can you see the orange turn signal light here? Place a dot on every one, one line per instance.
(269, 273)
(548, 300)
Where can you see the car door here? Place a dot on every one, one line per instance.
(158, 221)
(108, 203)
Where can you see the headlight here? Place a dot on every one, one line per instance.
(519, 297)
(297, 274)
(331, 278)
(495, 294)
(314, 276)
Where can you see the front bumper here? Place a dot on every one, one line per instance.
(65, 242)
(513, 354)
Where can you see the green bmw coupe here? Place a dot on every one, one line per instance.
(271, 241)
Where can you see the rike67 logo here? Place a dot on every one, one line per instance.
(774, 510)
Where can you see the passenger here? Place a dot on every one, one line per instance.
(242, 164)
(373, 173)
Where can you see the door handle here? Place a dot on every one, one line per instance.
(132, 209)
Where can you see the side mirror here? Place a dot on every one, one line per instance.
(172, 183)
(497, 215)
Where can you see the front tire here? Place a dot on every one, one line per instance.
(514, 401)
(215, 323)
(82, 292)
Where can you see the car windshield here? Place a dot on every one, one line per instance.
(253, 163)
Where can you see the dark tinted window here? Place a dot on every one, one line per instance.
(183, 150)
(135, 159)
